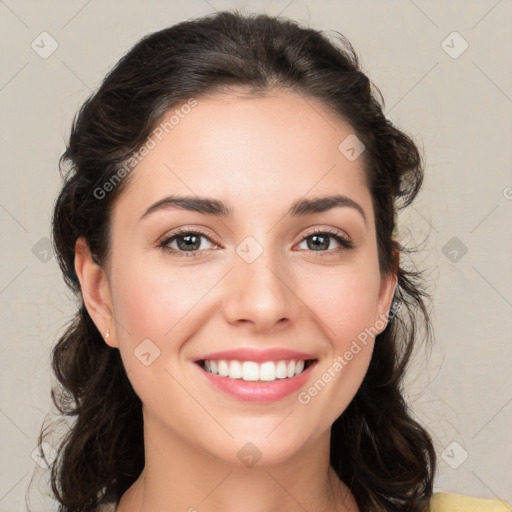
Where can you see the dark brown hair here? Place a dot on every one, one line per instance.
(385, 457)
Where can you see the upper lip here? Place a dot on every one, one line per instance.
(256, 355)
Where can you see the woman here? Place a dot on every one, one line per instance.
(229, 222)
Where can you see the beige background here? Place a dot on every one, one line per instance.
(457, 109)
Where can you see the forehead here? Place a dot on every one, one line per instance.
(250, 151)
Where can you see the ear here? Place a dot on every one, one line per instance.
(95, 291)
(387, 289)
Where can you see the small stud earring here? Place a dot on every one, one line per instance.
(107, 334)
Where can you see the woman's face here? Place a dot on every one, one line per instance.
(258, 281)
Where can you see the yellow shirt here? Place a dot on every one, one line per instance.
(441, 502)
(444, 502)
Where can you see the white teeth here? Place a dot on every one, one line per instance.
(281, 370)
(250, 371)
(268, 371)
(223, 369)
(235, 370)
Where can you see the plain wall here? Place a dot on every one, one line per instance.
(456, 107)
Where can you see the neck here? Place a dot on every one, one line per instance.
(178, 476)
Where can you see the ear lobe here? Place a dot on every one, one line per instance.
(389, 283)
(388, 286)
(95, 290)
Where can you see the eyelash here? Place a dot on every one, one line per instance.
(345, 242)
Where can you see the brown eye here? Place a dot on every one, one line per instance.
(321, 240)
(188, 243)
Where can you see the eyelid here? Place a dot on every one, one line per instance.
(329, 230)
(165, 239)
(342, 238)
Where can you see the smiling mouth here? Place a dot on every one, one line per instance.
(251, 371)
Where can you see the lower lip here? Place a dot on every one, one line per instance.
(262, 392)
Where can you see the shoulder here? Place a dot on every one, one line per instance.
(447, 502)
(440, 502)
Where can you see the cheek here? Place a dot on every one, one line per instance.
(345, 305)
(345, 301)
(156, 311)
(151, 302)
(153, 311)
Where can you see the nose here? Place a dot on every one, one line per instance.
(261, 294)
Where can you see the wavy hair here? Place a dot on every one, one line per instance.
(385, 457)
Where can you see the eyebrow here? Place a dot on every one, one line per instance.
(218, 208)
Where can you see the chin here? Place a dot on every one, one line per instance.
(261, 446)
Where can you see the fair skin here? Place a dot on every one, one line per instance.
(259, 156)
